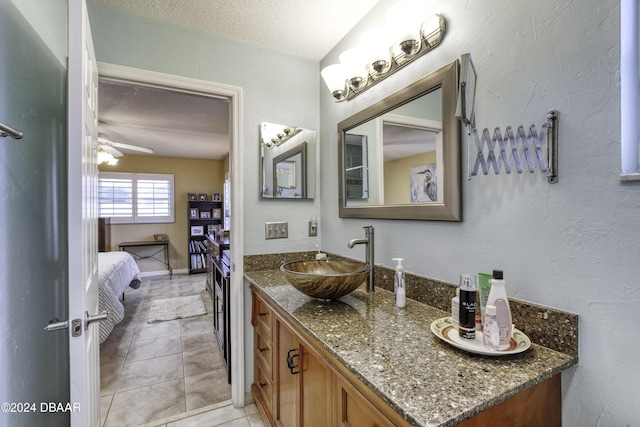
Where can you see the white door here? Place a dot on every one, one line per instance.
(84, 345)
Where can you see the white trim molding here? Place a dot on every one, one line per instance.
(235, 96)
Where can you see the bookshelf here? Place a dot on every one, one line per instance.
(201, 217)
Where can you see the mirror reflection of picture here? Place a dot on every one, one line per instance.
(286, 174)
(424, 183)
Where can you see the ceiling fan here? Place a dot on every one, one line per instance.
(111, 152)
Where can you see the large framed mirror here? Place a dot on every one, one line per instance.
(400, 158)
(288, 158)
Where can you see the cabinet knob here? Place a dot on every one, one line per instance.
(261, 350)
(262, 385)
(262, 314)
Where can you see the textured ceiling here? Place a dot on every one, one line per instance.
(304, 28)
(172, 123)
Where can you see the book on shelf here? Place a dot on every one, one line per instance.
(197, 247)
(198, 261)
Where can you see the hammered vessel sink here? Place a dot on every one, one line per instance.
(325, 279)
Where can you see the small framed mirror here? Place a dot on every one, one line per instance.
(400, 158)
(287, 162)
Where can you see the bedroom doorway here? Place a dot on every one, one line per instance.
(234, 97)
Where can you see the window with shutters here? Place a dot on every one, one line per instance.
(129, 198)
(630, 90)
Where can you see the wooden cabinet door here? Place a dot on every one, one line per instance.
(287, 365)
(303, 382)
(315, 389)
(352, 409)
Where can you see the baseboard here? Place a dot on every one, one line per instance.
(163, 272)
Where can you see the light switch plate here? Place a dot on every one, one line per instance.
(276, 230)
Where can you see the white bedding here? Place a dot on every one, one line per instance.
(116, 271)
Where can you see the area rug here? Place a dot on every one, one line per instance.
(176, 308)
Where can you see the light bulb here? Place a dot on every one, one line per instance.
(334, 77)
(376, 42)
(354, 61)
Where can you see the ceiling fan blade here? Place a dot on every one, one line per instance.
(131, 147)
(109, 149)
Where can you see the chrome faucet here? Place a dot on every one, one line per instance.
(369, 243)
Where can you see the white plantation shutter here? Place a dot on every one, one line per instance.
(115, 198)
(136, 198)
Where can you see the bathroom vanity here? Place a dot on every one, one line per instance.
(361, 361)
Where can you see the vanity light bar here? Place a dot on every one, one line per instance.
(286, 134)
(344, 84)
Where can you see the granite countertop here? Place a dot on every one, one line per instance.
(394, 352)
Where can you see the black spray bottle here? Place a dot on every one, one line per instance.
(467, 326)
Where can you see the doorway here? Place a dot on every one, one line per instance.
(234, 97)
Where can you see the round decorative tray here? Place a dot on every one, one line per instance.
(445, 330)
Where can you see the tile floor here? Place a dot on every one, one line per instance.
(167, 373)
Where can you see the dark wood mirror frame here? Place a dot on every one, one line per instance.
(446, 79)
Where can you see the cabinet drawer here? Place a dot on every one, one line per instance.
(264, 386)
(263, 352)
(262, 316)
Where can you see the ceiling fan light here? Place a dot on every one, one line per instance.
(104, 157)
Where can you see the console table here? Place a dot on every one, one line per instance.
(164, 247)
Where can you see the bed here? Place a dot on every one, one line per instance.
(116, 272)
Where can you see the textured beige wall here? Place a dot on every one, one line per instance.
(190, 176)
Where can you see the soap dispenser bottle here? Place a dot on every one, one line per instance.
(398, 284)
(498, 298)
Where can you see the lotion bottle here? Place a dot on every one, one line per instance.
(498, 298)
(399, 285)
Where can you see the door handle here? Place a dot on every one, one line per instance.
(56, 326)
(88, 319)
(290, 361)
(76, 328)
